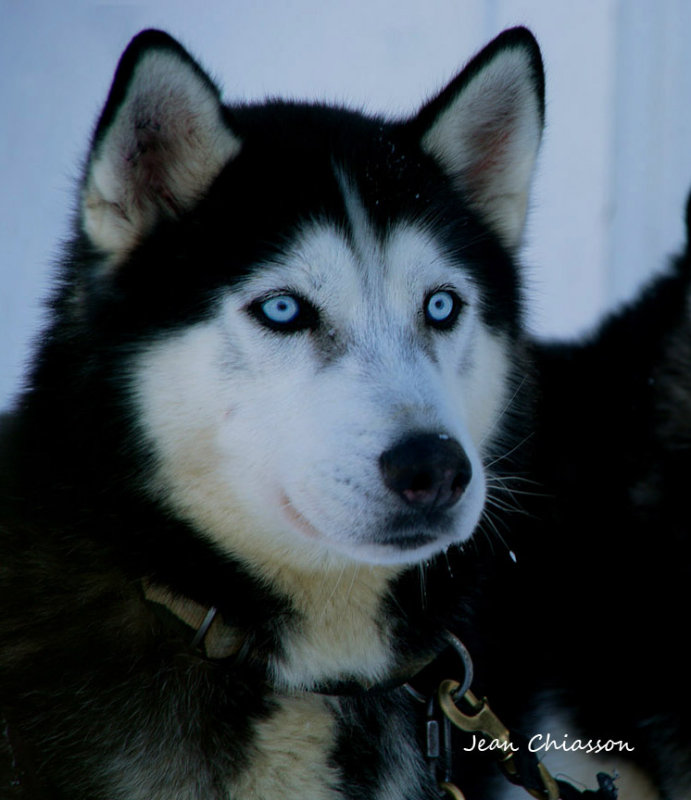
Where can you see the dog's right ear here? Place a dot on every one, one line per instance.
(159, 143)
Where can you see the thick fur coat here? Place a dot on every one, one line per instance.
(284, 369)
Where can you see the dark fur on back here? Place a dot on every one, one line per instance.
(598, 602)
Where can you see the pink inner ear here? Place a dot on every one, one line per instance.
(153, 183)
(151, 160)
(162, 147)
(484, 129)
(491, 148)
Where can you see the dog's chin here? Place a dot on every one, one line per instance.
(404, 554)
(406, 547)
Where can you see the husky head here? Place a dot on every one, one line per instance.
(312, 310)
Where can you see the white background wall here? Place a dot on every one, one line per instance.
(614, 170)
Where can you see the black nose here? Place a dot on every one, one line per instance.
(428, 470)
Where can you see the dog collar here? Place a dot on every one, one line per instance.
(208, 632)
(212, 635)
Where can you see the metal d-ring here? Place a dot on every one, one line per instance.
(464, 655)
(204, 627)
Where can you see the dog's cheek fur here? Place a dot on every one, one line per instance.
(214, 457)
(178, 420)
(484, 388)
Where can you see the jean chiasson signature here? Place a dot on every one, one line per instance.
(545, 742)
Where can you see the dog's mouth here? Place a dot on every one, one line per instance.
(403, 537)
(412, 541)
(298, 520)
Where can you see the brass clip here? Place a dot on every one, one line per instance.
(486, 722)
(452, 790)
(483, 721)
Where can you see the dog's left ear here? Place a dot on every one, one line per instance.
(485, 130)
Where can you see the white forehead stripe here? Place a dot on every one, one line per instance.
(365, 242)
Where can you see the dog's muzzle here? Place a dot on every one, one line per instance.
(428, 471)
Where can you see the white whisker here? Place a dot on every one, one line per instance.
(503, 412)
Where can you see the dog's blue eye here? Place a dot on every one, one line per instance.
(281, 310)
(285, 313)
(442, 308)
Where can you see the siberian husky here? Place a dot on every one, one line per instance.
(285, 369)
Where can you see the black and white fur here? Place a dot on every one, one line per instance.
(285, 366)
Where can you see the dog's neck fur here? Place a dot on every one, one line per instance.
(339, 629)
(334, 630)
(336, 635)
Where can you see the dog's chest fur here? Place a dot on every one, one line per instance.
(267, 741)
(315, 746)
(292, 752)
